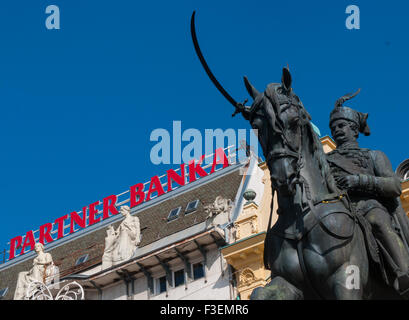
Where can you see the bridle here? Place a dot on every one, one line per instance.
(288, 151)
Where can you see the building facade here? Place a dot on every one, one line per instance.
(179, 252)
(403, 172)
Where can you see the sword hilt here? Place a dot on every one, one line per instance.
(239, 107)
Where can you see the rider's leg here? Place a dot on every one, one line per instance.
(383, 231)
(380, 221)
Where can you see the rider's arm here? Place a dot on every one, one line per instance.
(385, 183)
(245, 111)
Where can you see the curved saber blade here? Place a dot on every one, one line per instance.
(204, 64)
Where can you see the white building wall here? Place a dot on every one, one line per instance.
(115, 292)
(254, 181)
(256, 184)
(91, 295)
(215, 286)
(141, 289)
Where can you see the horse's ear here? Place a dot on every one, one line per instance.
(253, 92)
(286, 79)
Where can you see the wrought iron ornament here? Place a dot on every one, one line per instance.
(40, 291)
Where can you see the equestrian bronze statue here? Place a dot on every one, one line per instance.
(320, 240)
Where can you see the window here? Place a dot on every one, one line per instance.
(160, 285)
(198, 270)
(179, 277)
(191, 206)
(81, 259)
(3, 292)
(173, 214)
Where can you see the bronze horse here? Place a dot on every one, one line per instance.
(316, 249)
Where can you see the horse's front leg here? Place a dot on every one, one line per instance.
(339, 266)
(346, 283)
(277, 289)
(351, 279)
(286, 272)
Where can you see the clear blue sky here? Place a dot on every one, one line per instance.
(78, 104)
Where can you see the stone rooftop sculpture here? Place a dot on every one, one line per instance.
(120, 244)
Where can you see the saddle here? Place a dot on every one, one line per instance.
(319, 212)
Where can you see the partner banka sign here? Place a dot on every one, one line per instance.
(137, 195)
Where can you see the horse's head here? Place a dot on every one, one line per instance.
(278, 115)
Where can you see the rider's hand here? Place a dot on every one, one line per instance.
(240, 107)
(348, 182)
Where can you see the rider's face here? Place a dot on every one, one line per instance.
(342, 131)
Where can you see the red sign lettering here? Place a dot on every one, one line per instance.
(109, 206)
(193, 169)
(219, 154)
(60, 222)
(77, 219)
(155, 186)
(45, 230)
(14, 245)
(92, 212)
(136, 191)
(28, 241)
(137, 196)
(179, 179)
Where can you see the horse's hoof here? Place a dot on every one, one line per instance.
(277, 289)
(260, 293)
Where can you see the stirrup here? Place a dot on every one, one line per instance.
(404, 294)
(403, 283)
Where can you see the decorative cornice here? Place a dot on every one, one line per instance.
(251, 247)
(328, 142)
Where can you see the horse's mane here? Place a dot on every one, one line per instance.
(320, 156)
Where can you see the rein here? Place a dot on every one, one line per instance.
(283, 153)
